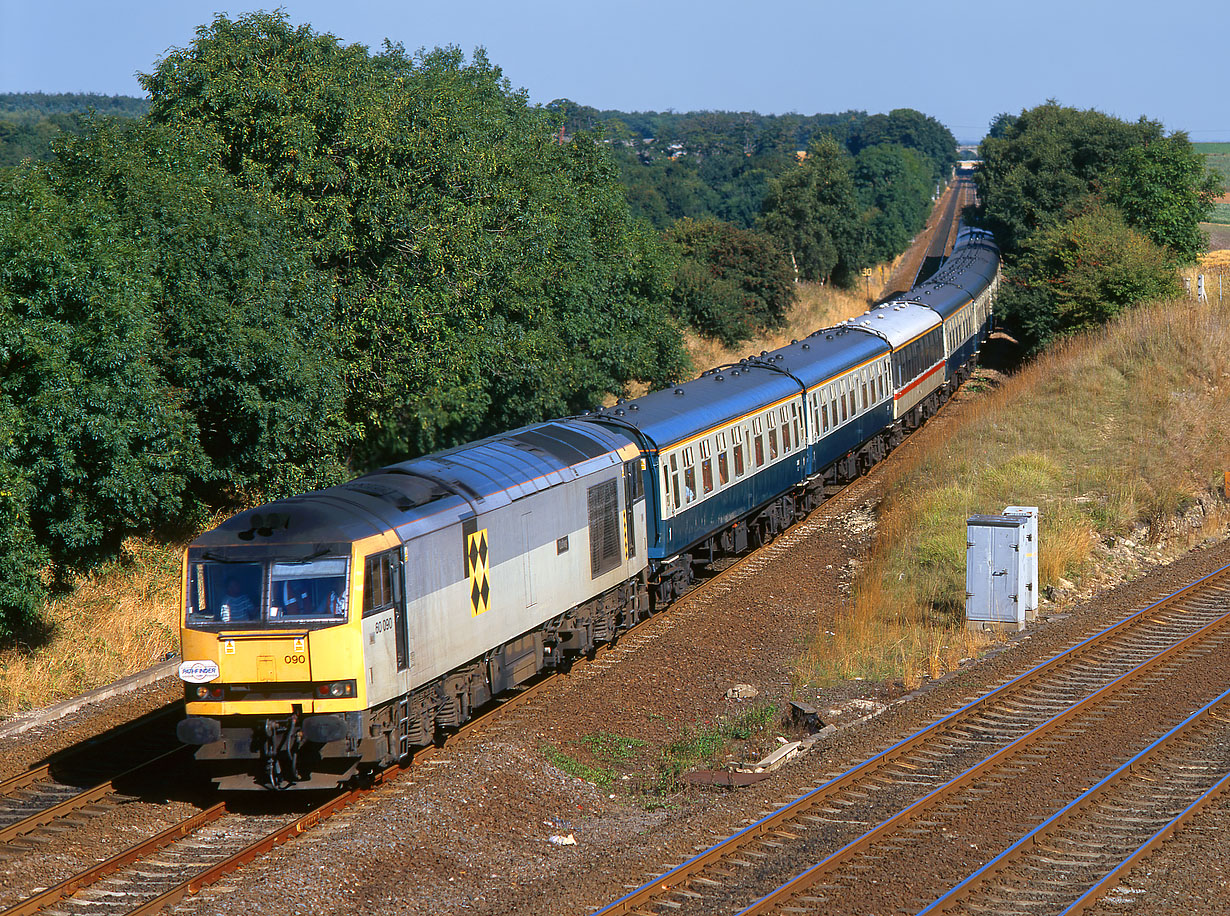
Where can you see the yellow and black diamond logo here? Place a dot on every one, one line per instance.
(477, 571)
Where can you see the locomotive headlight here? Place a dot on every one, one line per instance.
(336, 689)
(209, 693)
(202, 693)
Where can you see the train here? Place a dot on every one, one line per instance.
(330, 634)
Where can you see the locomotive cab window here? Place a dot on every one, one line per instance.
(381, 582)
(224, 593)
(315, 590)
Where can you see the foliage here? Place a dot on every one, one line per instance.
(812, 212)
(243, 320)
(1091, 212)
(103, 441)
(42, 104)
(30, 121)
(21, 555)
(718, 164)
(1083, 272)
(1047, 160)
(1108, 433)
(912, 130)
(702, 743)
(893, 186)
(489, 275)
(730, 282)
(1164, 188)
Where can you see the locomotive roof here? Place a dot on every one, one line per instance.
(718, 397)
(422, 494)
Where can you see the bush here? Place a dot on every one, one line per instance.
(1082, 272)
(731, 283)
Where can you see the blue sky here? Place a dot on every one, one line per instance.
(1125, 57)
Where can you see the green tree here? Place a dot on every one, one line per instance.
(1046, 161)
(104, 444)
(731, 282)
(1164, 189)
(893, 186)
(462, 235)
(812, 213)
(22, 557)
(243, 318)
(913, 130)
(1081, 272)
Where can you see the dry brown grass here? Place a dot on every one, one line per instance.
(1114, 430)
(117, 620)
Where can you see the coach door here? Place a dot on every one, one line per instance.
(633, 491)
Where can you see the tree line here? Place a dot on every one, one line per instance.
(303, 259)
(1093, 214)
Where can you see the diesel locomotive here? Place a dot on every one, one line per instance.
(329, 634)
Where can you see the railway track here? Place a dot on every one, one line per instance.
(208, 845)
(854, 827)
(86, 781)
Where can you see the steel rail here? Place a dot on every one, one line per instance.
(1099, 890)
(26, 778)
(1049, 826)
(42, 771)
(809, 876)
(680, 874)
(80, 800)
(71, 885)
(256, 849)
(281, 835)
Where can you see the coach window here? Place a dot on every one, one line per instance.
(772, 443)
(675, 480)
(758, 444)
(866, 403)
(666, 486)
(706, 467)
(853, 400)
(842, 399)
(824, 415)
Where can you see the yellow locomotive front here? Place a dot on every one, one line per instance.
(272, 651)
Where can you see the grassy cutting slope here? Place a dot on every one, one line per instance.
(1110, 432)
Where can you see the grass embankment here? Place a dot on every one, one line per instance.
(1110, 432)
(116, 620)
